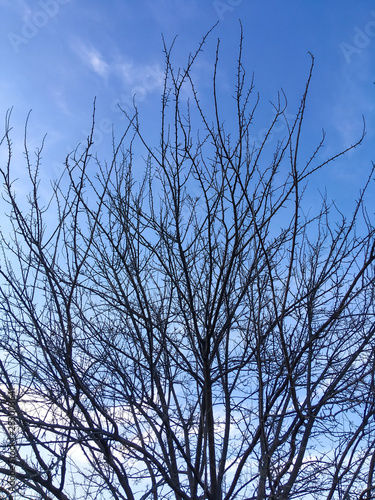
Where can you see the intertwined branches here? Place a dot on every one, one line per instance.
(191, 333)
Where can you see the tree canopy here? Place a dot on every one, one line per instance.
(197, 332)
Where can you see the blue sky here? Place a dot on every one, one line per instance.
(58, 55)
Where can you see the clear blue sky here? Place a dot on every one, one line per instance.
(57, 55)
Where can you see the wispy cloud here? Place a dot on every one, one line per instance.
(133, 76)
(148, 76)
(92, 58)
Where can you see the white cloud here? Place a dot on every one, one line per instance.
(97, 63)
(92, 58)
(136, 79)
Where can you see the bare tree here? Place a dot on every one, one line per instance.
(201, 333)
